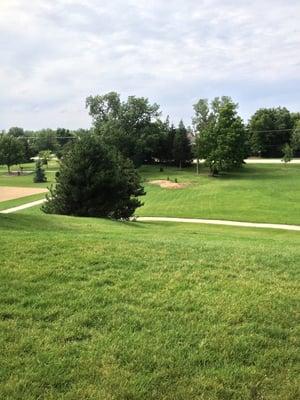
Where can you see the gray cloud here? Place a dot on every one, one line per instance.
(54, 54)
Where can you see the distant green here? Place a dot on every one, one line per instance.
(261, 193)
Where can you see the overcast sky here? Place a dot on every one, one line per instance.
(54, 53)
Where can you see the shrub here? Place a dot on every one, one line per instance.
(39, 173)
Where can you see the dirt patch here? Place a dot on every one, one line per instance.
(11, 193)
(165, 184)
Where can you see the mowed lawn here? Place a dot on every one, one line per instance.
(95, 309)
(259, 193)
(25, 180)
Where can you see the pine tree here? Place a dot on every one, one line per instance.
(39, 173)
(182, 150)
(95, 180)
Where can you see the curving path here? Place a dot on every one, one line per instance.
(22, 207)
(220, 222)
(184, 220)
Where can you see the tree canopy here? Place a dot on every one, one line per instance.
(124, 124)
(270, 129)
(11, 151)
(221, 138)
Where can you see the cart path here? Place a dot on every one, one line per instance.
(220, 222)
(183, 220)
(22, 207)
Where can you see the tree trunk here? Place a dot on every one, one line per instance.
(8, 169)
(180, 164)
(197, 166)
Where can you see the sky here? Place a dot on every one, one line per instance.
(56, 53)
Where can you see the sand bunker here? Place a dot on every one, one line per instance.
(165, 184)
(10, 193)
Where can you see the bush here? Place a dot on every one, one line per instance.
(95, 181)
(39, 173)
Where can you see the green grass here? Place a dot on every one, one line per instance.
(259, 193)
(94, 309)
(24, 180)
(4, 205)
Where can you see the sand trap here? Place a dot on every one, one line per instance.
(10, 193)
(168, 184)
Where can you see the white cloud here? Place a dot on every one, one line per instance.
(56, 53)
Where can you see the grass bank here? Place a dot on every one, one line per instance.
(94, 309)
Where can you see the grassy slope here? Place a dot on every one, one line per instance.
(4, 205)
(92, 309)
(261, 193)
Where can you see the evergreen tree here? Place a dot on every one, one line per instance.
(95, 180)
(182, 150)
(39, 173)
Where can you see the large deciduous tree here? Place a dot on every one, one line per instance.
(221, 138)
(124, 124)
(95, 180)
(270, 129)
(11, 151)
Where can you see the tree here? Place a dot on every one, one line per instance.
(201, 122)
(46, 140)
(270, 129)
(16, 131)
(124, 125)
(45, 156)
(39, 173)
(295, 140)
(222, 140)
(95, 180)
(182, 146)
(11, 151)
(287, 153)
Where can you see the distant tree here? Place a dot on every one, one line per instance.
(182, 151)
(124, 125)
(95, 180)
(11, 151)
(39, 173)
(270, 129)
(222, 141)
(64, 137)
(46, 140)
(201, 121)
(16, 131)
(287, 153)
(45, 156)
(295, 140)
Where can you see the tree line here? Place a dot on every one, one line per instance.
(135, 127)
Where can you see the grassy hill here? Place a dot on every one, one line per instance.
(94, 309)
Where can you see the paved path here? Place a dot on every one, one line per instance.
(22, 207)
(221, 222)
(263, 161)
(185, 220)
